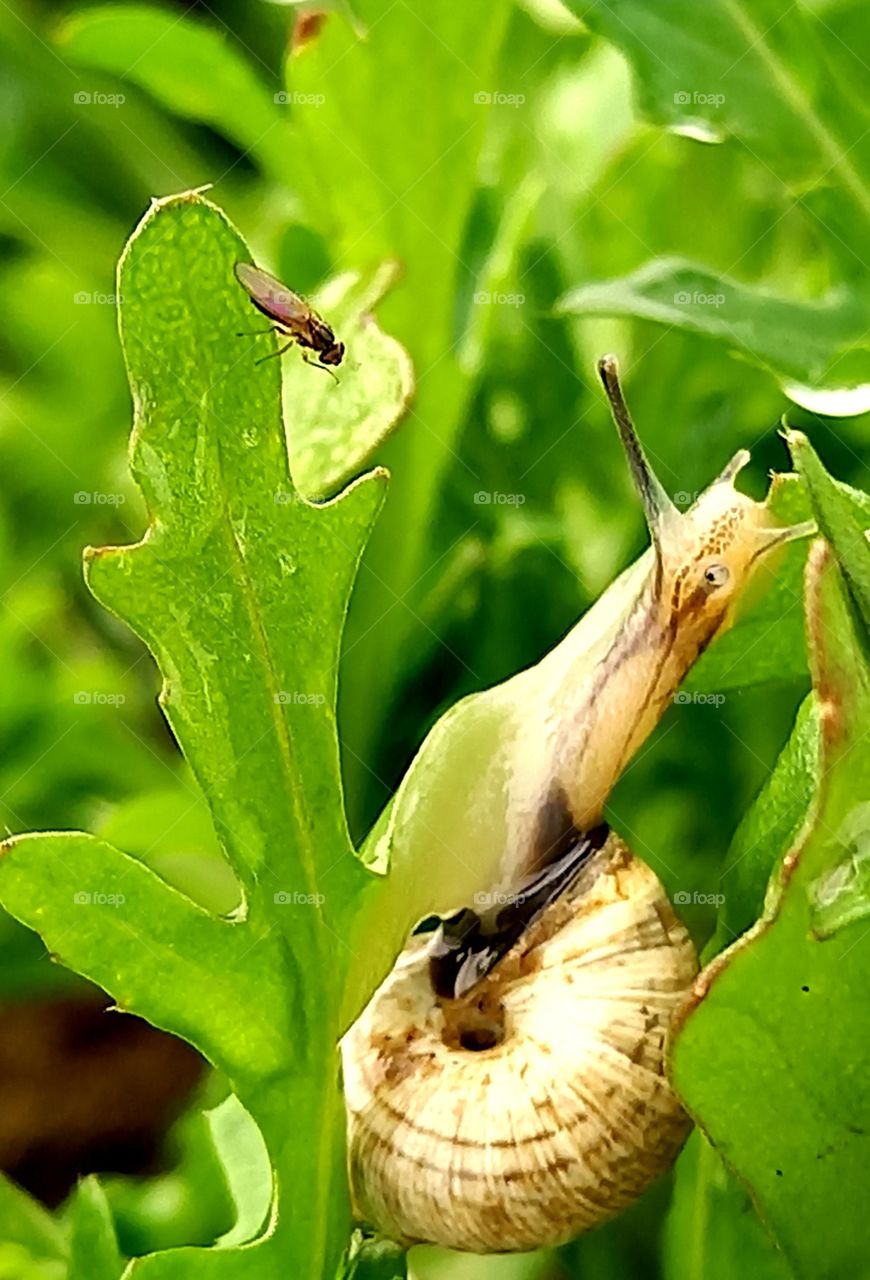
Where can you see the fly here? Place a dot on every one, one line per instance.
(291, 316)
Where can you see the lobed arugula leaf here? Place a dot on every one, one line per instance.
(843, 523)
(241, 598)
(750, 1040)
(334, 436)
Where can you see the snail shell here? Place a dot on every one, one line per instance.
(536, 1106)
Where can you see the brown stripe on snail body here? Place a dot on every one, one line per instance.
(506, 1085)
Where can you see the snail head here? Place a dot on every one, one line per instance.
(704, 556)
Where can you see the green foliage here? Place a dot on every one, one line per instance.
(504, 244)
(80, 1244)
(332, 437)
(223, 572)
(188, 68)
(713, 1232)
(797, 340)
(783, 86)
(792, 983)
(93, 1248)
(29, 1231)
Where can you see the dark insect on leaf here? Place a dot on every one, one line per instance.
(291, 316)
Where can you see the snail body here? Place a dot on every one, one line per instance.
(505, 1085)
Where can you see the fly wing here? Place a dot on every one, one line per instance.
(270, 296)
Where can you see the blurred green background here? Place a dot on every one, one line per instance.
(510, 507)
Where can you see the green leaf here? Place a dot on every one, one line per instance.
(93, 1245)
(188, 1201)
(772, 824)
(24, 1222)
(845, 527)
(768, 827)
(712, 1231)
(803, 342)
(764, 1007)
(373, 1258)
(103, 913)
(246, 1165)
(241, 598)
(398, 183)
(240, 595)
(334, 431)
(189, 67)
(769, 78)
(782, 85)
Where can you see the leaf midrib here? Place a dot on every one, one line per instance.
(284, 737)
(283, 732)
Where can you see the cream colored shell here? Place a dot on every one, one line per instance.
(563, 1121)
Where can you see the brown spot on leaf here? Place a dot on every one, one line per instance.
(307, 29)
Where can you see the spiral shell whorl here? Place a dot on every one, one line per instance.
(567, 1117)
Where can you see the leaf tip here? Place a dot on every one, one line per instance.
(191, 196)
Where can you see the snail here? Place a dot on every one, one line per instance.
(505, 1086)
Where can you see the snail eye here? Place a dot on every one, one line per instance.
(716, 575)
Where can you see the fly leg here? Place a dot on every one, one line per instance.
(279, 352)
(315, 364)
